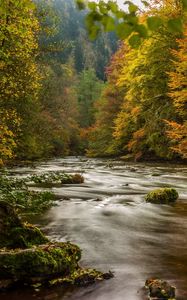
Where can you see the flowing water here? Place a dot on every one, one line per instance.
(115, 228)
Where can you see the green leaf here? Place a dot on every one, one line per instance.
(108, 23)
(135, 41)
(145, 3)
(154, 22)
(131, 20)
(112, 6)
(89, 20)
(142, 30)
(121, 14)
(96, 16)
(92, 5)
(123, 30)
(103, 8)
(132, 7)
(93, 32)
(175, 25)
(80, 4)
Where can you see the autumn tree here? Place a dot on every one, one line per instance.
(59, 123)
(138, 127)
(88, 90)
(9, 127)
(19, 82)
(99, 135)
(177, 131)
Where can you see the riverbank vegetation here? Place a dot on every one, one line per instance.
(141, 113)
(60, 95)
(50, 76)
(19, 192)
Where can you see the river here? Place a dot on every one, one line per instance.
(115, 228)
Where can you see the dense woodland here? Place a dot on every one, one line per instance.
(64, 94)
(51, 73)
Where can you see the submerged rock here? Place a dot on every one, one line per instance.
(160, 290)
(162, 196)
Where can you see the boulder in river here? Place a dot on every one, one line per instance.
(83, 277)
(28, 257)
(16, 234)
(162, 196)
(160, 290)
(39, 262)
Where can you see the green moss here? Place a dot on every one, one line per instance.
(27, 256)
(162, 196)
(39, 262)
(20, 237)
(16, 234)
(55, 178)
(16, 192)
(27, 236)
(82, 277)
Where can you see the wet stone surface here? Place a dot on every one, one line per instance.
(160, 290)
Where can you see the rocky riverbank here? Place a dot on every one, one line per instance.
(28, 257)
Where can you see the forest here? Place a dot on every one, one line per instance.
(50, 76)
(93, 150)
(62, 93)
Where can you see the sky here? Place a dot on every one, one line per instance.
(120, 2)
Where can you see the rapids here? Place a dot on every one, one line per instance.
(115, 228)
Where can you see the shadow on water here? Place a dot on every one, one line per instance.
(108, 218)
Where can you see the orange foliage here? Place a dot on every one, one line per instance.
(177, 132)
(134, 143)
(178, 135)
(178, 78)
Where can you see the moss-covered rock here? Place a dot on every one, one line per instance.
(55, 179)
(82, 277)
(39, 263)
(76, 179)
(27, 256)
(16, 234)
(162, 196)
(16, 192)
(160, 290)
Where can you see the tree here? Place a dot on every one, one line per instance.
(88, 89)
(137, 126)
(71, 35)
(59, 127)
(20, 78)
(9, 125)
(99, 135)
(177, 131)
